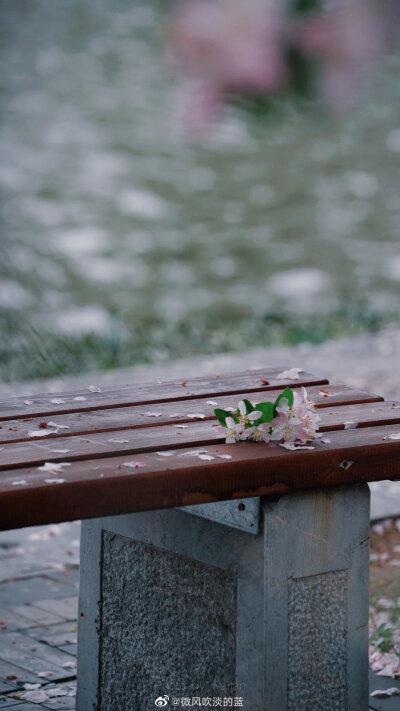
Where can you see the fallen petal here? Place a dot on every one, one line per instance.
(393, 691)
(134, 464)
(291, 374)
(350, 425)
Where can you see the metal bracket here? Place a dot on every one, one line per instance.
(243, 514)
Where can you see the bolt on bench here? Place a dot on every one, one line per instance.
(208, 571)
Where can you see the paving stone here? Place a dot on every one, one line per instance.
(12, 620)
(68, 576)
(5, 687)
(6, 702)
(391, 703)
(36, 615)
(66, 607)
(32, 589)
(56, 635)
(29, 662)
(70, 649)
(21, 675)
(48, 655)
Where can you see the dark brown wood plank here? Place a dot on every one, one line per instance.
(109, 397)
(136, 441)
(107, 487)
(121, 418)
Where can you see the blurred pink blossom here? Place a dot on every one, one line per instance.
(346, 40)
(227, 46)
(241, 47)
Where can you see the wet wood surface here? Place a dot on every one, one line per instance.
(120, 458)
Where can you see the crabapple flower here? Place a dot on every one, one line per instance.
(298, 422)
(259, 433)
(244, 417)
(232, 430)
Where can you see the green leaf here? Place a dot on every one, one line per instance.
(286, 393)
(267, 409)
(221, 416)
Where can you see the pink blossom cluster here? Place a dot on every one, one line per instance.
(243, 47)
(295, 422)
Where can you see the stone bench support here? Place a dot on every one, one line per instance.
(269, 604)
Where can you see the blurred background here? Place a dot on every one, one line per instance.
(128, 236)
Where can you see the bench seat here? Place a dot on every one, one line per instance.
(99, 433)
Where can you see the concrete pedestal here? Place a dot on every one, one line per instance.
(267, 610)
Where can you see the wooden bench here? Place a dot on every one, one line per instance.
(254, 593)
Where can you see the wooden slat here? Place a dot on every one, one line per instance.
(109, 397)
(177, 411)
(135, 441)
(107, 487)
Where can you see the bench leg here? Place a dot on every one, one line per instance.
(174, 604)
